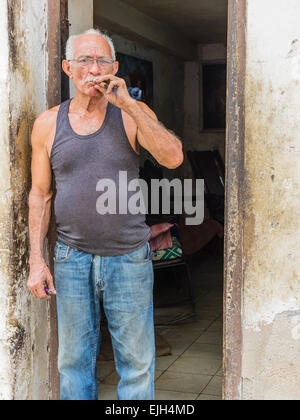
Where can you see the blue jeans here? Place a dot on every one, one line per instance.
(126, 285)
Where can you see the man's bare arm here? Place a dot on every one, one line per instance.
(160, 142)
(39, 210)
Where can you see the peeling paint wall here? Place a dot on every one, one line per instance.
(24, 321)
(271, 265)
(6, 368)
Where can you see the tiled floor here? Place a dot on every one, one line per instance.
(194, 370)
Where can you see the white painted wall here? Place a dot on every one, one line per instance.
(81, 19)
(80, 15)
(271, 296)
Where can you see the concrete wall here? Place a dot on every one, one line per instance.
(195, 138)
(131, 23)
(271, 264)
(168, 83)
(81, 18)
(24, 322)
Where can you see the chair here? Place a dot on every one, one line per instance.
(148, 172)
(172, 258)
(208, 165)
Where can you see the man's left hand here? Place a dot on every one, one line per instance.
(114, 89)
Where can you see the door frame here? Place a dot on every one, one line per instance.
(57, 91)
(234, 194)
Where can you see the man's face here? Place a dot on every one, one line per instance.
(85, 48)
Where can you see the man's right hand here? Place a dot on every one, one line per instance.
(39, 279)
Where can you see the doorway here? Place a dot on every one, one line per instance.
(186, 78)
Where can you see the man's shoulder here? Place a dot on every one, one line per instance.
(44, 127)
(47, 118)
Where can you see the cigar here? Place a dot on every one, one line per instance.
(95, 80)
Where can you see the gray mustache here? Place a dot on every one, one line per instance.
(91, 79)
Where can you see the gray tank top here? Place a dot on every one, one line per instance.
(78, 163)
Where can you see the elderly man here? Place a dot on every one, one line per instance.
(91, 137)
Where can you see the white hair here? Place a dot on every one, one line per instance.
(72, 38)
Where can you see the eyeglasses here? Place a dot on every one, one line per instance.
(89, 61)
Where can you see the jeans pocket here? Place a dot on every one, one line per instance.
(61, 252)
(141, 255)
